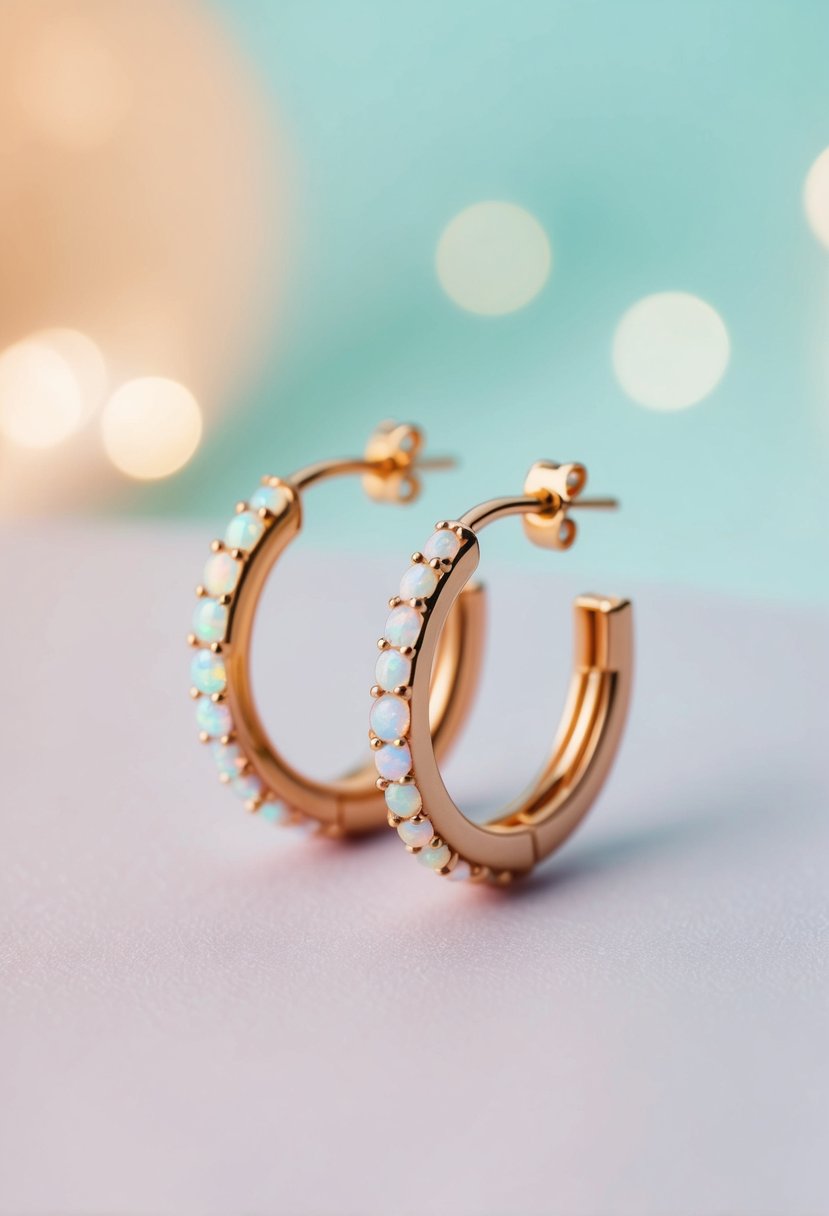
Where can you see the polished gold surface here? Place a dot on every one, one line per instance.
(390, 471)
(584, 747)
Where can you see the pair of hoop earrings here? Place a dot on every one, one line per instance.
(426, 674)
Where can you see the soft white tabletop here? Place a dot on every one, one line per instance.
(204, 1014)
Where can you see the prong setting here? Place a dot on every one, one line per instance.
(217, 594)
(530, 828)
(405, 810)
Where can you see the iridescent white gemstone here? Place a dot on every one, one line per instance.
(272, 498)
(417, 835)
(244, 531)
(441, 544)
(247, 786)
(209, 621)
(221, 574)
(435, 859)
(403, 626)
(393, 762)
(393, 670)
(403, 800)
(207, 672)
(275, 812)
(389, 718)
(213, 718)
(461, 872)
(418, 582)
(228, 757)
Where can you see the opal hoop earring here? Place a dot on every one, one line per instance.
(535, 824)
(233, 580)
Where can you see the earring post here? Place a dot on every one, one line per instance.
(436, 462)
(596, 504)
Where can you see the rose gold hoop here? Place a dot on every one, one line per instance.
(536, 823)
(234, 578)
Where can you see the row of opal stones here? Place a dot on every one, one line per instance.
(222, 569)
(208, 674)
(214, 720)
(390, 716)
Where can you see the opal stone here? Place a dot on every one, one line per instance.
(393, 762)
(221, 574)
(416, 835)
(272, 498)
(442, 543)
(209, 621)
(275, 812)
(228, 757)
(418, 582)
(389, 718)
(461, 872)
(244, 531)
(213, 718)
(207, 672)
(435, 859)
(247, 786)
(393, 670)
(403, 800)
(403, 626)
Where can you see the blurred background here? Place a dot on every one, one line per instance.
(237, 234)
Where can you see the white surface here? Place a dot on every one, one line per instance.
(201, 1014)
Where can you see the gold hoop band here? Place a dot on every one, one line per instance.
(235, 577)
(536, 823)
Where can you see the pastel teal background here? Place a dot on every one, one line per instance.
(663, 146)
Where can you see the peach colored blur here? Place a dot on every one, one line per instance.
(138, 206)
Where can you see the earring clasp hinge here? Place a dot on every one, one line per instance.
(557, 488)
(394, 460)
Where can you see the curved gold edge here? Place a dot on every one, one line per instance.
(353, 803)
(536, 823)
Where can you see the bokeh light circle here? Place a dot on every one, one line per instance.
(41, 402)
(151, 427)
(670, 350)
(493, 258)
(816, 197)
(84, 358)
